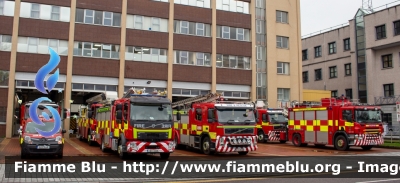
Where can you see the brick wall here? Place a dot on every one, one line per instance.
(6, 24)
(3, 110)
(148, 8)
(66, 3)
(28, 62)
(43, 29)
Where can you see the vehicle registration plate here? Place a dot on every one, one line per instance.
(152, 150)
(43, 147)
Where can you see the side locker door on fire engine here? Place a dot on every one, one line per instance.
(183, 126)
(309, 133)
(323, 126)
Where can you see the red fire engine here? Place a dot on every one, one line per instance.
(272, 124)
(138, 123)
(214, 125)
(32, 143)
(87, 123)
(336, 121)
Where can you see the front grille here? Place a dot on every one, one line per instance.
(152, 137)
(229, 131)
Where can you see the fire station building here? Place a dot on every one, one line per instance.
(245, 49)
(360, 60)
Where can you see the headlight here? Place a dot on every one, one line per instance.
(133, 145)
(239, 141)
(59, 139)
(234, 141)
(28, 140)
(248, 141)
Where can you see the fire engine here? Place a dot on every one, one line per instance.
(335, 121)
(31, 142)
(214, 125)
(138, 123)
(87, 123)
(272, 124)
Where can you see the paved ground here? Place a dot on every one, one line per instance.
(76, 148)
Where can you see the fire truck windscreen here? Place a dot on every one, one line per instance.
(151, 112)
(235, 115)
(39, 111)
(31, 127)
(368, 115)
(277, 117)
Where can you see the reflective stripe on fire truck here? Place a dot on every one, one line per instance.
(264, 124)
(119, 129)
(196, 130)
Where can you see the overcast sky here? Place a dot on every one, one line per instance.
(317, 15)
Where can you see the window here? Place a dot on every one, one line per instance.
(5, 43)
(233, 33)
(98, 17)
(259, 26)
(137, 53)
(347, 68)
(192, 58)
(317, 51)
(261, 79)
(55, 13)
(234, 62)
(283, 94)
(96, 50)
(388, 90)
(138, 22)
(4, 78)
(282, 42)
(282, 16)
(232, 5)
(318, 74)
(305, 76)
(387, 61)
(346, 43)
(259, 52)
(1, 7)
(35, 11)
(305, 54)
(192, 28)
(145, 23)
(334, 93)
(156, 24)
(380, 32)
(333, 72)
(396, 26)
(332, 47)
(349, 93)
(198, 3)
(283, 68)
(199, 29)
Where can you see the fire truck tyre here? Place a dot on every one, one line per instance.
(103, 145)
(341, 143)
(366, 147)
(243, 153)
(205, 147)
(89, 137)
(164, 155)
(296, 140)
(261, 136)
(23, 154)
(60, 156)
(282, 141)
(122, 155)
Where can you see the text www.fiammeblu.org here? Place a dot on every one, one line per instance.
(232, 166)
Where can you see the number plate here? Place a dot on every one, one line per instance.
(152, 150)
(372, 143)
(43, 147)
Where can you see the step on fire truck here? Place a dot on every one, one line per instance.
(32, 143)
(138, 123)
(335, 121)
(272, 124)
(214, 125)
(87, 123)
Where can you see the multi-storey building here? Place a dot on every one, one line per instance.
(245, 49)
(359, 60)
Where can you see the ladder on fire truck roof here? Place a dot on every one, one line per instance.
(103, 98)
(306, 103)
(200, 98)
(142, 92)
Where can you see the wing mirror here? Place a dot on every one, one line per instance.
(119, 115)
(178, 116)
(264, 117)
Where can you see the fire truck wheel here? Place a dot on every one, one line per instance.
(122, 155)
(103, 146)
(366, 147)
(23, 154)
(206, 143)
(296, 140)
(243, 153)
(341, 143)
(164, 155)
(261, 136)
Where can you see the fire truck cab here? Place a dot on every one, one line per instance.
(138, 123)
(31, 142)
(271, 124)
(213, 125)
(336, 121)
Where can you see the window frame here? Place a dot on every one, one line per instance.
(380, 32)
(35, 11)
(305, 76)
(334, 92)
(315, 74)
(388, 88)
(389, 61)
(280, 20)
(304, 54)
(333, 70)
(332, 47)
(104, 18)
(345, 48)
(280, 39)
(347, 91)
(55, 13)
(319, 48)
(347, 69)
(285, 66)
(396, 29)
(136, 22)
